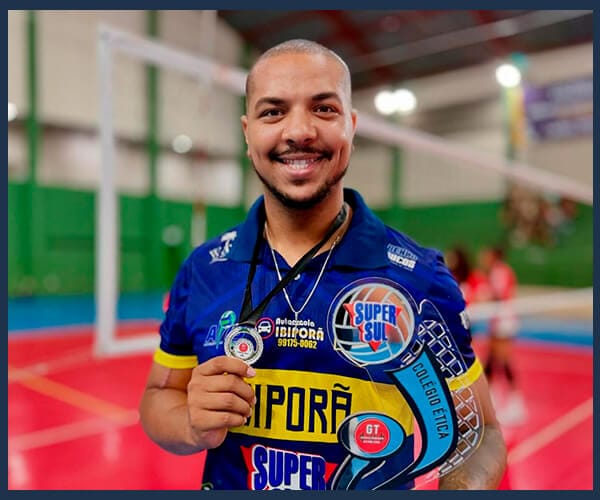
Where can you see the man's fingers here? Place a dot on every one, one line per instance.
(225, 383)
(225, 364)
(218, 396)
(227, 402)
(218, 420)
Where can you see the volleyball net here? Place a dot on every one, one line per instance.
(432, 164)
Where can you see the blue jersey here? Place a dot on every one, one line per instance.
(330, 363)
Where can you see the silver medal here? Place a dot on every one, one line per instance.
(245, 343)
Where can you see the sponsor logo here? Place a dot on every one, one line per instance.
(371, 321)
(294, 405)
(300, 409)
(277, 469)
(298, 333)
(217, 332)
(265, 327)
(219, 254)
(401, 256)
(375, 441)
(372, 435)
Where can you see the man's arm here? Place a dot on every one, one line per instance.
(185, 411)
(483, 470)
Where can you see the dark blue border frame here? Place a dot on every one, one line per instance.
(305, 5)
(596, 180)
(4, 244)
(342, 5)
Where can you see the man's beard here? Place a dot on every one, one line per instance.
(308, 203)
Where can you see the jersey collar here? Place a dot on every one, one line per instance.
(362, 247)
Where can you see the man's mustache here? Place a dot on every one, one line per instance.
(275, 155)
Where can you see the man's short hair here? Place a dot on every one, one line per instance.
(300, 46)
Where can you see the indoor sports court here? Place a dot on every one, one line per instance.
(116, 175)
(73, 421)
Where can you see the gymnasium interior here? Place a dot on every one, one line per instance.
(125, 152)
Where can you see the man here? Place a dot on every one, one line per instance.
(276, 424)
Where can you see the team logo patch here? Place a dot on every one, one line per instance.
(371, 322)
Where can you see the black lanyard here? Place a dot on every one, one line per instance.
(251, 316)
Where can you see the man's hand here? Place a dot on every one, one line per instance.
(218, 399)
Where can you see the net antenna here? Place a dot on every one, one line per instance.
(112, 41)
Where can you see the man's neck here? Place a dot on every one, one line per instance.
(294, 232)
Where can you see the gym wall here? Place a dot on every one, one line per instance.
(52, 215)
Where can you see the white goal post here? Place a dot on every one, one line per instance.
(111, 41)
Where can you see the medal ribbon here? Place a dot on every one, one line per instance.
(250, 316)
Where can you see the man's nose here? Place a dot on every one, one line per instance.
(299, 129)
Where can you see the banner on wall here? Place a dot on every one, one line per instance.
(561, 110)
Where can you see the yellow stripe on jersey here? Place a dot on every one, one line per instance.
(173, 361)
(467, 378)
(309, 406)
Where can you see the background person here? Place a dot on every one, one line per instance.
(503, 328)
(472, 281)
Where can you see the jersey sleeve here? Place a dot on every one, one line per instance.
(176, 348)
(445, 294)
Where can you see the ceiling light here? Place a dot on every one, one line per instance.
(405, 100)
(181, 144)
(508, 75)
(385, 102)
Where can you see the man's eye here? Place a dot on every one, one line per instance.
(325, 108)
(270, 112)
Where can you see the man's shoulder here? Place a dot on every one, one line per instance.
(403, 249)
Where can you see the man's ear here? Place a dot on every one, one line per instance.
(244, 120)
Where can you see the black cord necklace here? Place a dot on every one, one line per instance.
(243, 341)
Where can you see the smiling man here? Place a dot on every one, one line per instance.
(299, 116)
(293, 393)
(299, 126)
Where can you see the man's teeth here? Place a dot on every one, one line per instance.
(299, 164)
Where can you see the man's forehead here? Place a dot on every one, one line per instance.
(280, 67)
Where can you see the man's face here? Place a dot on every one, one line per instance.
(299, 127)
